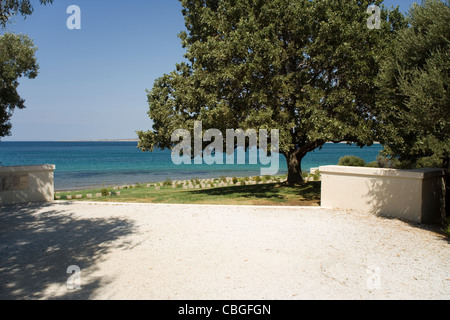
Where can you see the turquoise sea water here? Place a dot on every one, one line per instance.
(87, 164)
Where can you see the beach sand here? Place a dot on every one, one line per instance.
(152, 251)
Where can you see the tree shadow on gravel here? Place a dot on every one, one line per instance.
(310, 191)
(39, 242)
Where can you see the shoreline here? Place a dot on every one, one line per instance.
(180, 181)
(137, 140)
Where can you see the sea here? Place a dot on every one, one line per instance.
(90, 164)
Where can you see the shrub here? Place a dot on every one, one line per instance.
(446, 228)
(316, 175)
(224, 179)
(105, 192)
(257, 179)
(373, 164)
(384, 162)
(352, 161)
(168, 182)
(235, 180)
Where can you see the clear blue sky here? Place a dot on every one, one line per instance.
(92, 81)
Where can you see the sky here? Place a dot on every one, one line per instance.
(92, 81)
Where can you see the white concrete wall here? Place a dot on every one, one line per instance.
(26, 184)
(413, 195)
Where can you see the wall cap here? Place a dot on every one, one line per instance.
(13, 169)
(425, 173)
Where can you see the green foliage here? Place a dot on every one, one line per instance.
(373, 164)
(446, 228)
(351, 161)
(316, 175)
(167, 183)
(414, 100)
(304, 67)
(105, 192)
(17, 59)
(257, 179)
(235, 180)
(386, 162)
(11, 8)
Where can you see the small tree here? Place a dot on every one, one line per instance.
(17, 59)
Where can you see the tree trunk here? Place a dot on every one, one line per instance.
(294, 159)
(294, 164)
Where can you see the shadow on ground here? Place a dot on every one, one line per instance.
(39, 242)
(308, 192)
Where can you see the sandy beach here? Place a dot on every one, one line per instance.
(174, 252)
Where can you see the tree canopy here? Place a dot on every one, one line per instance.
(304, 67)
(414, 103)
(11, 8)
(17, 59)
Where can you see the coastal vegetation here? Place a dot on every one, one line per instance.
(381, 162)
(239, 191)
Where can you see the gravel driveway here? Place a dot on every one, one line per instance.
(193, 252)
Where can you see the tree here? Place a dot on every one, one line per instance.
(304, 67)
(414, 100)
(10, 8)
(17, 59)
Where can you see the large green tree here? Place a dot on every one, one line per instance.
(414, 103)
(304, 67)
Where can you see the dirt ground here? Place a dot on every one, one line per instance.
(201, 252)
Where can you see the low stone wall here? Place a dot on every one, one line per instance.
(26, 184)
(413, 195)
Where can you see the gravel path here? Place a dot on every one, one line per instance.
(137, 251)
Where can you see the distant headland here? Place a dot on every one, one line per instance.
(101, 140)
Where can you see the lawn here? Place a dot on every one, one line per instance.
(269, 194)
